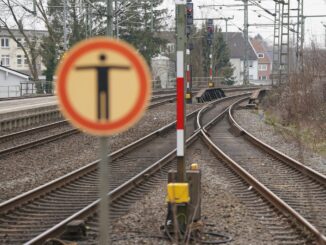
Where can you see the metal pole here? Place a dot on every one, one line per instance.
(65, 46)
(210, 84)
(34, 7)
(246, 40)
(105, 164)
(298, 37)
(325, 34)
(87, 20)
(302, 34)
(226, 30)
(90, 20)
(116, 19)
(152, 16)
(103, 191)
(180, 47)
(109, 12)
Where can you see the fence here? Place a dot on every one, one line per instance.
(9, 91)
(27, 89)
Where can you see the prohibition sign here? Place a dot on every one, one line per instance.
(103, 86)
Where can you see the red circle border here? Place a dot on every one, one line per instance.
(143, 77)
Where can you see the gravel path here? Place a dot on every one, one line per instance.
(31, 168)
(256, 125)
(219, 207)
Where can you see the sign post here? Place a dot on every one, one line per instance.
(103, 87)
(181, 43)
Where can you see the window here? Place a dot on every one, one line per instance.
(263, 78)
(19, 60)
(25, 60)
(21, 41)
(4, 42)
(251, 63)
(251, 77)
(261, 55)
(171, 47)
(5, 60)
(262, 67)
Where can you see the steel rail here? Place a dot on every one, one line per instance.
(278, 203)
(113, 195)
(28, 196)
(279, 155)
(54, 137)
(46, 188)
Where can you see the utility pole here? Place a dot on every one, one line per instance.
(190, 22)
(105, 164)
(116, 19)
(34, 7)
(109, 20)
(302, 22)
(276, 43)
(180, 47)
(65, 45)
(210, 38)
(284, 42)
(246, 40)
(226, 29)
(152, 16)
(324, 25)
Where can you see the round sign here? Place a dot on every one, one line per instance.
(103, 86)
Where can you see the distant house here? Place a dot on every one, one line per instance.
(264, 59)
(12, 56)
(13, 83)
(236, 44)
(163, 65)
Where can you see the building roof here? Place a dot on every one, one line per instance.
(39, 33)
(14, 72)
(235, 41)
(259, 46)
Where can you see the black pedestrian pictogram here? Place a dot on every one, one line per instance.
(103, 81)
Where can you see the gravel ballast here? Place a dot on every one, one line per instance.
(255, 124)
(29, 169)
(220, 208)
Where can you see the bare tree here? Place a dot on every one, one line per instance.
(17, 15)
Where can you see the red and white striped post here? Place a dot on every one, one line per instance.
(210, 83)
(180, 82)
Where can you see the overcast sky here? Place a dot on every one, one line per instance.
(314, 29)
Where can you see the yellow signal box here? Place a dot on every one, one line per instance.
(178, 193)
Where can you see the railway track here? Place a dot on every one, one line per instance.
(41, 213)
(280, 192)
(65, 131)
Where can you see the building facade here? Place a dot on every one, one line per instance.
(12, 56)
(264, 59)
(236, 44)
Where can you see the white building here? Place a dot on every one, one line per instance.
(163, 72)
(14, 83)
(12, 56)
(236, 44)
